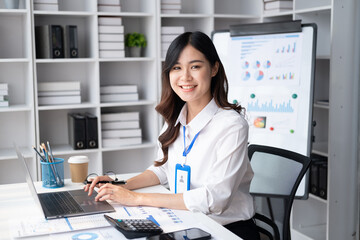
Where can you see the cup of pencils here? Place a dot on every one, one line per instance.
(52, 169)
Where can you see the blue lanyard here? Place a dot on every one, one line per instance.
(187, 150)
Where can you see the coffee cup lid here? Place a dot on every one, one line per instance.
(78, 159)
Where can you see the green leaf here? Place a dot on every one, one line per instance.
(135, 40)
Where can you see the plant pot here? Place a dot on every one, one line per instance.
(135, 51)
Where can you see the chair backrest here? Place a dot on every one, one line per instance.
(277, 174)
(267, 228)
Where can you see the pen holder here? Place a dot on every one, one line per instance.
(53, 173)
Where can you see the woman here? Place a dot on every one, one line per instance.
(203, 145)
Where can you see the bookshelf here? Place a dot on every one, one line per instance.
(28, 123)
(16, 67)
(93, 71)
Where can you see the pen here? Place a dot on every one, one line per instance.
(45, 152)
(41, 157)
(51, 158)
(112, 182)
(50, 152)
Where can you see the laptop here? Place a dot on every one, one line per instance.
(66, 203)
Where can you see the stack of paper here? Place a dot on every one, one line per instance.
(277, 6)
(46, 5)
(111, 37)
(109, 6)
(170, 6)
(57, 93)
(4, 95)
(119, 93)
(168, 34)
(120, 129)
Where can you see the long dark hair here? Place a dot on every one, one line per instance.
(170, 103)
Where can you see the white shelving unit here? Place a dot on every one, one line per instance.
(310, 218)
(335, 80)
(93, 72)
(16, 70)
(28, 124)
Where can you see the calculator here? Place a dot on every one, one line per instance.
(134, 228)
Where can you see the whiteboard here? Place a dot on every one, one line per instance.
(272, 76)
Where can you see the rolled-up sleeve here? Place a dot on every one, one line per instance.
(160, 171)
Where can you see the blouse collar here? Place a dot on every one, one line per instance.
(200, 120)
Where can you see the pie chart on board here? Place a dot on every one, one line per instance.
(245, 76)
(259, 75)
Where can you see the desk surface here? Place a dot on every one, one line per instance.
(16, 202)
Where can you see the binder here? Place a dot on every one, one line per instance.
(49, 41)
(71, 41)
(316, 172)
(77, 130)
(323, 180)
(91, 131)
(314, 178)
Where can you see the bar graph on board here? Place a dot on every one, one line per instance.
(270, 106)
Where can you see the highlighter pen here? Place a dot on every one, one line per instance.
(112, 182)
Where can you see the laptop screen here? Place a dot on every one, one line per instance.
(28, 176)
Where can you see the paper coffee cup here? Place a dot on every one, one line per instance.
(78, 168)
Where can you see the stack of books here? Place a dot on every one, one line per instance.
(111, 37)
(46, 5)
(170, 6)
(277, 6)
(109, 6)
(4, 95)
(120, 129)
(57, 93)
(118, 93)
(168, 34)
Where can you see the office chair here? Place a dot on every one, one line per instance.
(277, 174)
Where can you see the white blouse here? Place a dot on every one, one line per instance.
(220, 169)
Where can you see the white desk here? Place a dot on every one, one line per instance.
(16, 202)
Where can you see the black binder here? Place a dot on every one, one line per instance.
(314, 178)
(71, 41)
(77, 130)
(317, 175)
(323, 169)
(49, 41)
(91, 131)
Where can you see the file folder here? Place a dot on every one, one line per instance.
(323, 169)
(318, 178)
(77, 130)
(314, 178)
(91, 130)
(71, 41)
(49, 41)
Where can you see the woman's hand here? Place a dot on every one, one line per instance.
(90, 187)
(118, 194)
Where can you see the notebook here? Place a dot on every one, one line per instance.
(65, 203)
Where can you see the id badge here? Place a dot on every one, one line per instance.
(182, 178)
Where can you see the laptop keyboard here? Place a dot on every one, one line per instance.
(60, 203)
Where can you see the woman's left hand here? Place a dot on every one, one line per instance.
(118, 194)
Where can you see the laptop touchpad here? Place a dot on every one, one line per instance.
(88, 202)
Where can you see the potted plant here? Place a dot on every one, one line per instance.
(135, 42)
